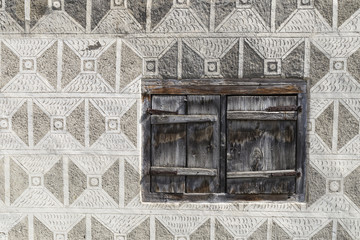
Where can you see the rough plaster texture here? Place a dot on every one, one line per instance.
(70, 110)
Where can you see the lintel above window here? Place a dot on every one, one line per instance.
(223, 140)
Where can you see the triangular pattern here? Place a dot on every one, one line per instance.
(353, 147)
(333, 203)
(305, 21)
(271, 207)
(337, 82)
(134, 162)
(180, 20)
(59, 222)
(92, 83)
(28, 83)
(317, 106)
(114, 107)
(243, 20)
(59, 141)
(181, 224)
(317, 146)
(28, 47)
(300, 227)
(36, 197)
(8, 24)
(37, 164)
(150, 47)
(240, 226)
(338, 47)
(354, 104)
(122, 224)
(57, 22)
(134, 86)
(353, 225)
(351, 25)
(335, 168)
(273, 47)
(136, 203)
(93, 164)
(118, 21)
(8, 220)
(94, 198)
(9, 105)
(58, 106)
(9, 140)
(113, 141)
(211, 47)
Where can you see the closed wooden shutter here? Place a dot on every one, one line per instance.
(185, 143)
(261, 144)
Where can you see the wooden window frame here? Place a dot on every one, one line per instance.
(224, 88)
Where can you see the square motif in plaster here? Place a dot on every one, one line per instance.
(181, 238)
(36, 181)
(120, 237)
(150, 67)
(212, 67)
(338, 65)
(272, 67)
(118, 3)
(57, 5)
(94, 181)
(181, 3)
(4, 124)
(88, 65)
(243, 3)
(58, 124)
(305, 4)
(113, 124)
(334, 186)
(60, 236)
(28, 65)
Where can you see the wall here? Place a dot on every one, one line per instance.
(70, 102)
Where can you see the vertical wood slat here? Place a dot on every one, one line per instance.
(260, 145)
(203, 143)
(168, 144)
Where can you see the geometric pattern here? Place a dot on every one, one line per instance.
(70, 111)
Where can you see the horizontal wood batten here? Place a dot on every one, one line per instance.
(262, 174)
(170, 119)
(177, 171)
(261, 115)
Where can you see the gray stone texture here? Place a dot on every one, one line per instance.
(41, 232)
(263, 7)
(202, 9)
(131, 66)
(75, 123)
(99, 10)
(293, 64)
(319, 66)
(141, 232)
(253, 63)
(2, 179)
(77, 182)
(352, 186)
(159, 9)
(162, 233)
(202, 233)
(107, 65)
(324, 125)
(71, 65)
(41, 124)
(38, 8)
(316, 185)
(110, 181)
(77, 10)
(10, 64)
(96, 124)
(129, 124)
(222, 9)
(78, 231)
(47, 65)
(192, 64)
(260, 233)
(325, 7)
(99, 231)
(325, 233)
(54, 182)
(348, 126)
(20, 231)
(132, 179)
(229, 64)
(346, 8)
(278, 233)
(168, 63)
(19, 181)
(19, 123)
(16, 9)
(138, 10)
(353, 65)
(284, 9)
(342, 233)
(221, 233)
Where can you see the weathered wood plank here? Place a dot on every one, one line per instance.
(203, 143)
(168, 145)
(183, 171)
(261, 115)
(171, 119)
(259, 103)
(276, 185)
(262, 174)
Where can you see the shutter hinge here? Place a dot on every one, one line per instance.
(160, 112)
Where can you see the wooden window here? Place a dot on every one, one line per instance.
(223, 140)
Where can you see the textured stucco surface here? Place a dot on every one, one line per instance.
(70, 103)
